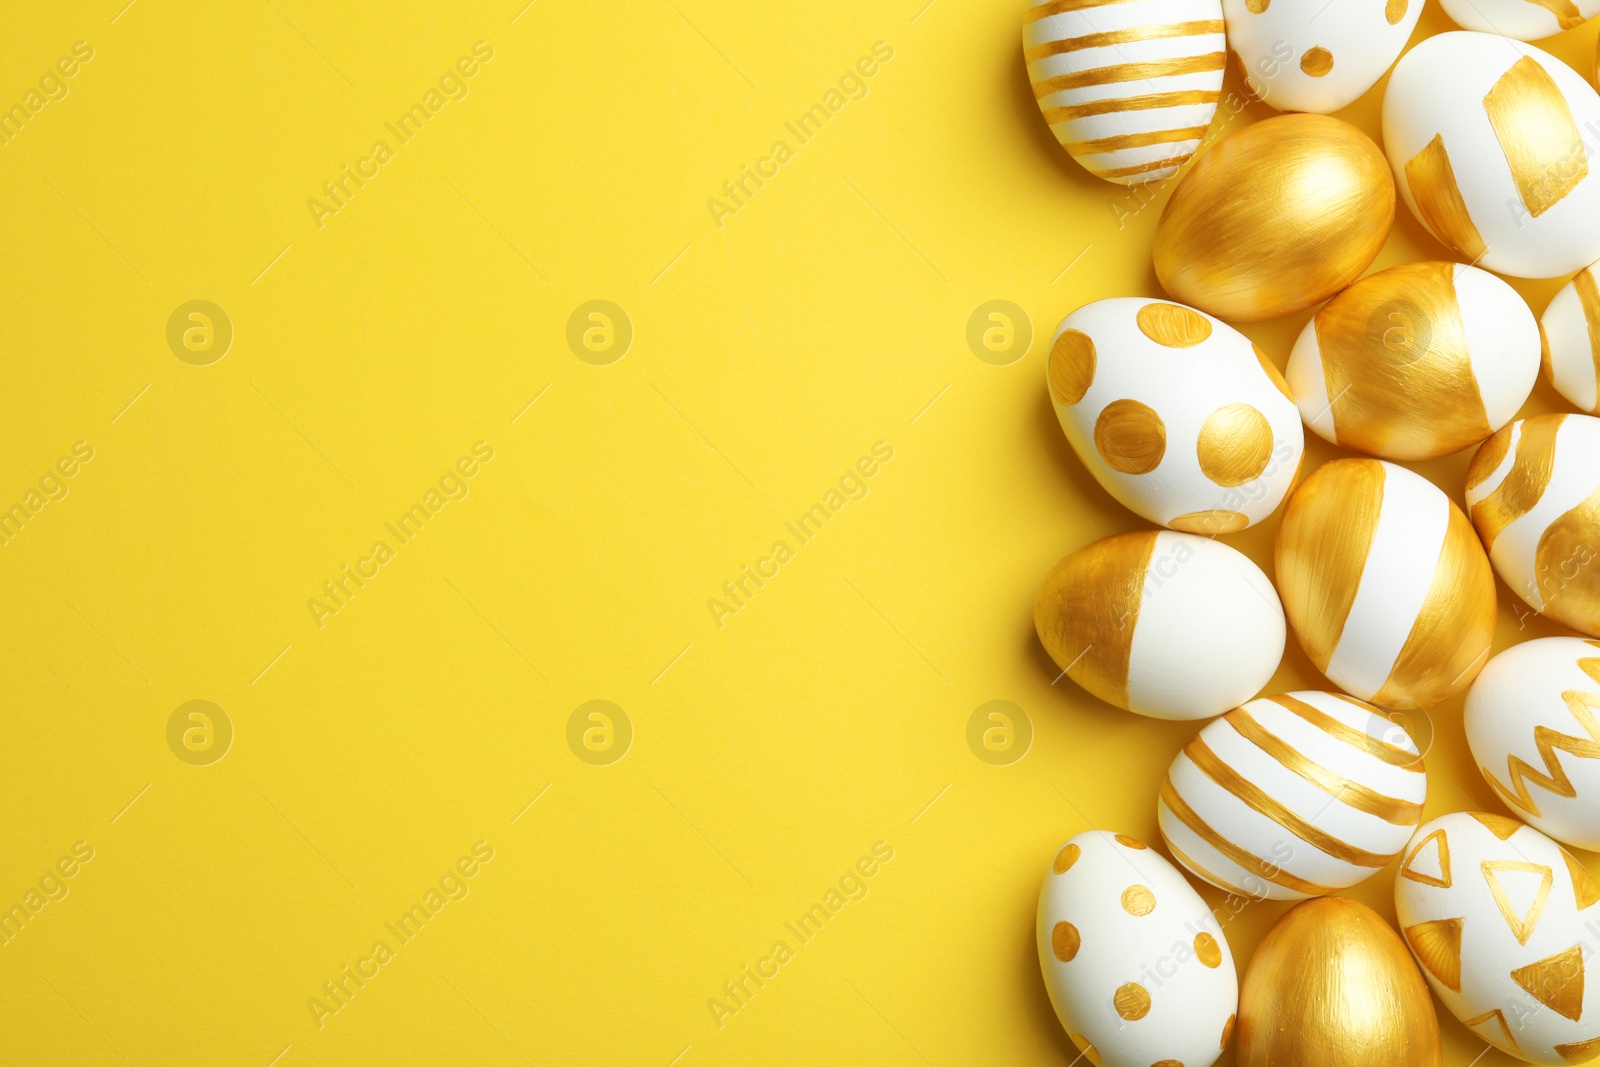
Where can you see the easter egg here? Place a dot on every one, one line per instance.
(1331, 985)
(1571, 329)
(1526, 20)
(1135, 963)
(1309, 55)
(1486, 139)
(1169, 625)
(1533, 724)
(1292, 796)
(1275, 218)
(1416, 361)
(1504, 924)
(1128, 89)
(1533, 490)
(1175, 413)
(1385, 583)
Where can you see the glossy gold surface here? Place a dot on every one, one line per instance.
(1234, 445)
(1275, 218)
(1537, 133)
(1524, 484)
(1130, 437)
(1432, 180)
(1172, 325)
(1087, 610)
(1071, 367)
(1565, 567)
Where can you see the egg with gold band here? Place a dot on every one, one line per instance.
(1504, 924)
(1385, 583)
(1415, 362)
(1169, 625)
(1177, 414)
(1308, 55)
(1331, 985)
(1275, 218)
(1533, 491)
(1526, 20)
(1570, 327)
(1486, 136)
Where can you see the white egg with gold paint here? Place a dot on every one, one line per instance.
(1526, 20)
(1135, 963)
(1310, 55)
(1571, 330)
(1177, 414)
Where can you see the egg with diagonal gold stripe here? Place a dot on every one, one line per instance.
(1570, 327)
(1128, 88)
(1292, 796)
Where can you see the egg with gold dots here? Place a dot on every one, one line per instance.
(1309, 55)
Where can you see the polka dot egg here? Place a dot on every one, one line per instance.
(1136, 965)
(1310, 55)
(1175, 413)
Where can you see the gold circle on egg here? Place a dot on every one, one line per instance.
(1132, 1001)
(1256, 7)
(1207, 949)
(1210, 523)
(1090, 1053)
(1172, 325)
(1064, 941)
(1138, 900)
(1130, 437)
(1066, 858)
(1235, 444)
(1071, 369)
(1317, 62)
(1131, 842)
(1394, 11)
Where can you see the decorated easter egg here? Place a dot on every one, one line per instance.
(1332, 986)
(1571, 329)
(1169, 625)
(1416, 361)
(1503, 923)
(1135, 963)
(1308, 55)
(1176, 413)
(1533, 724)
(1275, 218)
(1526, 20)
(1128, 88)
(1385, 583)
(1534, 493)
(1292, 796)
(1485, 136)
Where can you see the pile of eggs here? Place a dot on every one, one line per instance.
(1387, 583)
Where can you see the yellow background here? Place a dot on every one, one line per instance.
(828, 313)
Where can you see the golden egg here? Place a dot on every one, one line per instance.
(1332, 985)
(1275, 218)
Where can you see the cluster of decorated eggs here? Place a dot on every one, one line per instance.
(1387, 583)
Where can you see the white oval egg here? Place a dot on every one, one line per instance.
(1169, 625)
(1571, 330)
(1293, 796)
(1533, 724)
(1309, 55)
(1486, 137)
(1135, 963)
(1526, 20)
(1177, 414)
(1415, 362)
(1502, 921)
(1128, 89)
(1533, 491)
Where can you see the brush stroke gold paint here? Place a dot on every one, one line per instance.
(1088, 608)
(1432, 181)
(1534, 126)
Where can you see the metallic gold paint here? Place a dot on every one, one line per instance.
(1567, 546)
(1589, 299)
(1072, 364)
(1432, 180)
(1087, 610)
(1235, 444)
(1210, 523)
(1522, 487)
(1172, 325)
(1536, 131)
(1130, 437)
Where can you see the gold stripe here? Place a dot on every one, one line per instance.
(1113, 105)
(1589, 297)
(1393, 755)
(1102, 145)
(1127, 72)
(1432, 181)
(1214, 879)
(1354, 794)
(1087, 610)
(1566, 12)
(1143, 168)
(1124, 36)
(1248, 860)
(1526, 482)
(1057, 7)
(1213, 767)
(1565, 546)
(1534, 126)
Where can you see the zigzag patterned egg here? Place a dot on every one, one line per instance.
(1308, 55)
(1503, 922)
(1571, 331)
(1533, 724)
(1488, 140)
(1293, 796)
(1533, 490)
(1526, 20)
(1129, 88)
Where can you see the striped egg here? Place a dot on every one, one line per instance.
(1488, 139)
(1128, 88)
(1416, 361)
(1526, 20)
(1385, 583)
(1309, 55)
(1534, 493)
(1571, 329)
(1293, 796)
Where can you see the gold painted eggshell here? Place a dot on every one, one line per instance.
(1415, 362)
(1526, 20)
(1571, 330)
(1331, 985)
(1533, 491)
(1275, 218)
(1309, 55)
(1385, 584)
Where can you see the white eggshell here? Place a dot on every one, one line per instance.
(1533, 724)
(1293, 796)
(1126, 129)
(1216, 472)
(1518, 194)
(1503, 923)
(1135, 963)
(1571, 327)
(1310, 55)
(1526, 20)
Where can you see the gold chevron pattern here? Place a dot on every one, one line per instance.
(1548, 742)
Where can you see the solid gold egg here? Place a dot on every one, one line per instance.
(1332, 985)
(1275, 218)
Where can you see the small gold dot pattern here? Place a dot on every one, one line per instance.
(1065, 941)
(1130, 437)
(1173, 325)
(1207, 950)
(1132, 1001)
(1066, 858)
(1317, 62)
(1071, 371)
(1138, 900)
(1235, 445)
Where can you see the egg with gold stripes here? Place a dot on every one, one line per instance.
(1571, 330)
(1177, 414)
(1489, 140)
(1504, 924)
(1309, 55)
(1385, 583)
(1533, 491)
(1164, 624)
(1526, 20)
(1292, 796)
(1136, 966)
(1416, 361)
(1128, 88)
